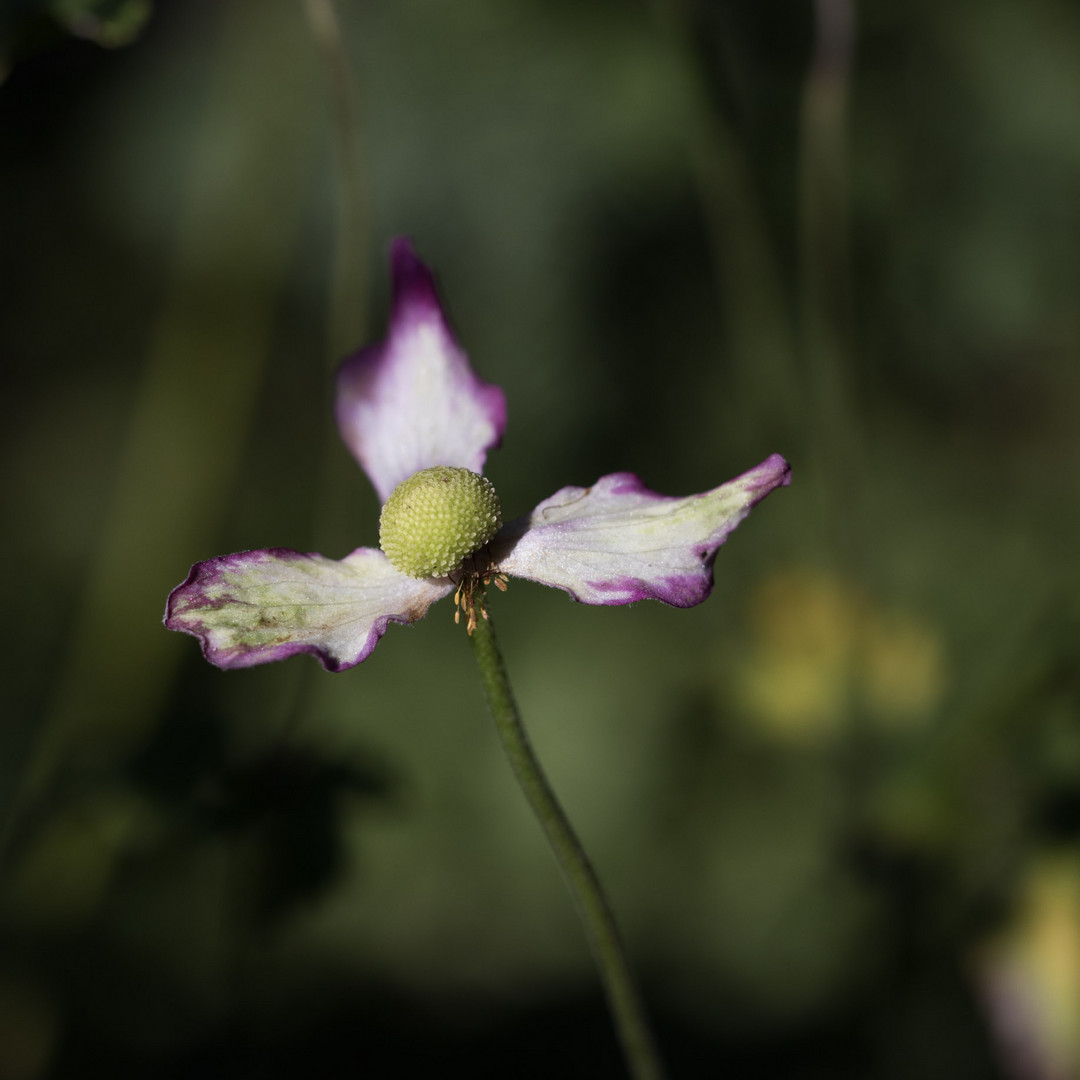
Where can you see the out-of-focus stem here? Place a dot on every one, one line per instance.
(348, 304)
(825, 279)
(762, 380)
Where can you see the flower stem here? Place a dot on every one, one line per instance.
(630, 1023)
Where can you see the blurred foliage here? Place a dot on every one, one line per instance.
(837, 807)
(30, 26)
(108, 22)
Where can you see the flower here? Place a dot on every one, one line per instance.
(417, 418)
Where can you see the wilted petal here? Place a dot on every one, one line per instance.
(617, 542)
(259, 606)
(413, 401)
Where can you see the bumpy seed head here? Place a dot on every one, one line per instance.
(437, 517)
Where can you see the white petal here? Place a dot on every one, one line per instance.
(260, 606)
(617, 542)
(413, 401)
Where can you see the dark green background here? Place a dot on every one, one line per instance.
(837, 806)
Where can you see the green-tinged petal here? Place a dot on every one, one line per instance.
(617, 541)
(260, 606)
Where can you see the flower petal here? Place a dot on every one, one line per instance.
(259, 606)
(617, 542)
(413, 401)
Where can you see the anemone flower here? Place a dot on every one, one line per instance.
(420, 423)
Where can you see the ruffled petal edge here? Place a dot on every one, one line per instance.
(617, 542)
(256, 607)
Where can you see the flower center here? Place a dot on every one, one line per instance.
(437, 517)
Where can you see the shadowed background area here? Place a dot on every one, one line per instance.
(837, 806)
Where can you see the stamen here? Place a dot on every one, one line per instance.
(469, 596)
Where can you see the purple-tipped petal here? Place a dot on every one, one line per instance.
(260, 606)
(617, 541)
(413, 401)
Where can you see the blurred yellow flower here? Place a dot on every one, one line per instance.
(1030, 974)
(820, 646)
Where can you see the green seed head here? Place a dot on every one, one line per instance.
(435, 518)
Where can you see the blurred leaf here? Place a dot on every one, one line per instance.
(108, 22)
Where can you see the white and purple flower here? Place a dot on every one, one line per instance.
(407, 405)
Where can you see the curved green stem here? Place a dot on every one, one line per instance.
(630, 1023)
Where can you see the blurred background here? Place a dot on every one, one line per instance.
(837, 807)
